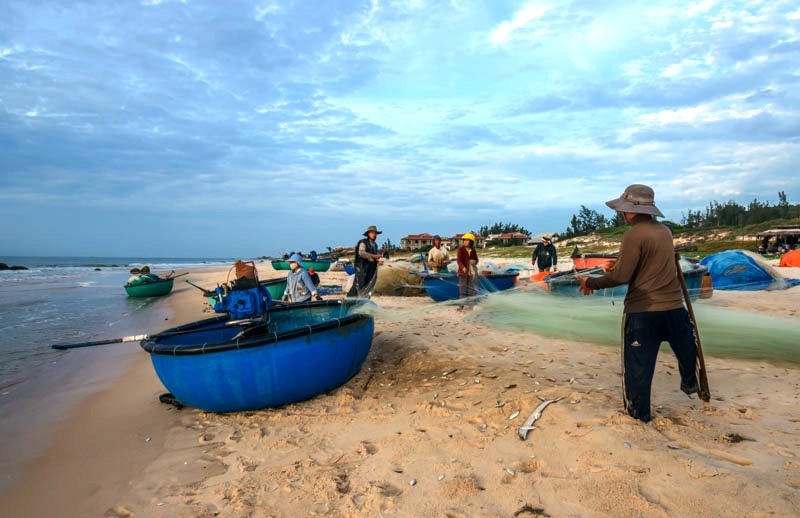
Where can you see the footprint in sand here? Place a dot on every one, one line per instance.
(246, 464)
(369, 448)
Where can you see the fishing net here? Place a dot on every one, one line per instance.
(395, 279)
(724, 331)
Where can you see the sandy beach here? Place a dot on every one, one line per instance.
(429, 427)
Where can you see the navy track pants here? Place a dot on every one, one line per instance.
(643, 334)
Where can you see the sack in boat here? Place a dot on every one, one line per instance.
(245, 270)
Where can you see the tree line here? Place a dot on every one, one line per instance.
(715, 214)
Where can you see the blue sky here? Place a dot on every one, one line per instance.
(220, 129)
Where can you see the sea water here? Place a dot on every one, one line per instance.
(71, 300)
(67, 300)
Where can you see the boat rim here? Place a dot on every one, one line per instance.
(152, 346)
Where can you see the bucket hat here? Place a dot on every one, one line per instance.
(638, 199)
(372, 228)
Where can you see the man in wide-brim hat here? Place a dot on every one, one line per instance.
(654, 308)
(371, 228)
(544, 255)
(366, 261)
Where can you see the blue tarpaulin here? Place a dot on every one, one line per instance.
(737, 270)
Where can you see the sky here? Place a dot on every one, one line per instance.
(162, 128)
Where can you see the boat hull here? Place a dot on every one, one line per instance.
(304, 351)
(150, 289)
(444, 286)
(320, 265)
(593, 260)
(568, 284)
(275, 287)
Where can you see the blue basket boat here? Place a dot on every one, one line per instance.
(444, 286)
(290, 354)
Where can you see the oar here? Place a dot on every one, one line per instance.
(702, 376)
(170, 276)
(206, 292)
(132, 338)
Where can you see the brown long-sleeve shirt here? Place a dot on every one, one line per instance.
(647, 264)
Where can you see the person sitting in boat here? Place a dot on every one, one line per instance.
(143, 277)
(438, 256)
(299, 286)
(135, 274)
(314, 277)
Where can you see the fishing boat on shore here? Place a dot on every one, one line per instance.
(566, 282)
(320, 265)
(275, 288)
(584, 261)
(152, 288)
(444, 286)
(290, 353)
(145, 284)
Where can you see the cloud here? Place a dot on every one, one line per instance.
(292, 125)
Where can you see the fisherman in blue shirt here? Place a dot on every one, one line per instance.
(299, 286)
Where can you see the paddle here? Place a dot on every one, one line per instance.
(170, 276)
(206, 292)
(702, 376)
(132, 338)
(139, 338)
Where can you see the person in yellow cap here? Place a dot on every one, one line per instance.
(467, 259)
(654, 308)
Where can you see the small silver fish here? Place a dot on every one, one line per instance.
(527, 426)
(514, 415)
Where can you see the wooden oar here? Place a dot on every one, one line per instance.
(206, 292)
(132, 338)
(170, 276)
(702, 376)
